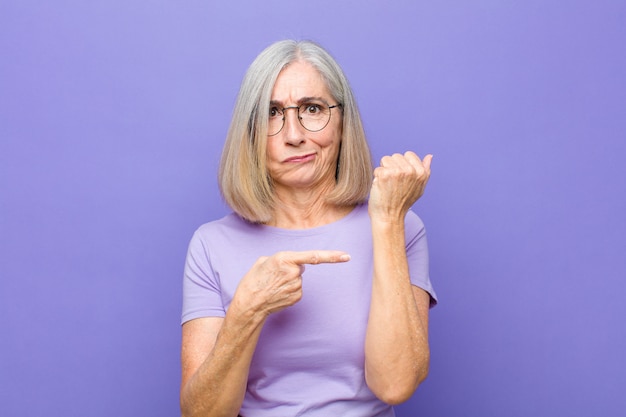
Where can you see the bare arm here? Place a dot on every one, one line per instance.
(214, 373)
(216, 353)
(396, 346)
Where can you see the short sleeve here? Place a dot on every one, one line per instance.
(417, 255)
(201, 289)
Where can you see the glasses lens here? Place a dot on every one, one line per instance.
(275, 121)
(314, 116)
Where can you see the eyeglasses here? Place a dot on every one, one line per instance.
(313, 116)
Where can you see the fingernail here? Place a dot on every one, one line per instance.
(344, 258)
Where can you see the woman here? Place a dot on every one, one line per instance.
(310, 299)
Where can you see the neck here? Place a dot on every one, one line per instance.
(305, 209)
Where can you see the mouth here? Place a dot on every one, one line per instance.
(301, 158)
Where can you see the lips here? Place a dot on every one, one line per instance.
(301, 158)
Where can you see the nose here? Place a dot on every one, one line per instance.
(293, 130)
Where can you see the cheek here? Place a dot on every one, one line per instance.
(337, 133)
(330, 138)
(331, 143)
(272, 151)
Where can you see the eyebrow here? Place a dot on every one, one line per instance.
(300, 101)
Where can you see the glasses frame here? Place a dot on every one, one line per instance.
(300, 118)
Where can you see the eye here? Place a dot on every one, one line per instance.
(312, 108)
(274, 112)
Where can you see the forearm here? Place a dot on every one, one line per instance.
(217, 388)
(396, 346)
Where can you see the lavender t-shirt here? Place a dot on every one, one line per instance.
(309, 358)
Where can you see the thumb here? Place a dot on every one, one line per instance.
(427, 161)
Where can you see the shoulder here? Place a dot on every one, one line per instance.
(414, 228)
(413, 222)
(227, 224)
(213, 232)
(359, 213)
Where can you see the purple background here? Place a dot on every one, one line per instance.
(112, 116)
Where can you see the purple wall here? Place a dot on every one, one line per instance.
(112, 116)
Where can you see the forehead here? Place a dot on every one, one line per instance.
(299, 79)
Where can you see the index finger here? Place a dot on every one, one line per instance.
(314, 257)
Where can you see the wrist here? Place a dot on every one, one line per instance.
(247, 313)
(387, 221)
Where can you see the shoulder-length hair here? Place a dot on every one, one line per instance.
(243, 176)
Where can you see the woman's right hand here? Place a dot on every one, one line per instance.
(275, 282)
(216, 352)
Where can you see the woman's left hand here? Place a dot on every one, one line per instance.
(398, 182)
